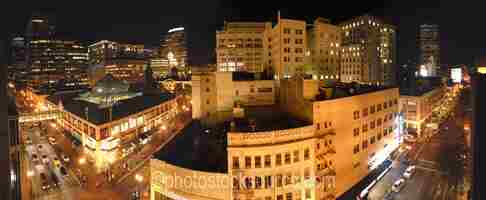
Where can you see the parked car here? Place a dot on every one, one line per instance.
(28, 140)
(44, 182)
(52, 140)
(63, 171)
(39, 146)
(55, 180)
(45, 159)
(35, 158)
(56, 162)
(409, 172)
(398, 185)
(65, 158)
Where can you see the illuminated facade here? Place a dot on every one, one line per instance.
(429, 44)
(243, 46)
(323, 51)
(110, 116)
(160, 67)
(53, 62)
(173, 47)
(323, 149)
(418, 108)
(360, 50)
(18, 65)
(214, 92)
(123, 61)
(368, 53)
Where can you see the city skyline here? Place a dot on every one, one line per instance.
(146, 25)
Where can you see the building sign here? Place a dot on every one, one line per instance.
(456, 75)
(109, 143)
(91, 143)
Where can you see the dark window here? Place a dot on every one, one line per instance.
(236, 163)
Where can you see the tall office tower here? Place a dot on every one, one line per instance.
(243, 46)
(368, 53)
(52, 62)
(18, 63)
(429, 44)
(173, 48)
(478, 84)
(323, 46)
(123, 61)
(9, 140)
(288, 43)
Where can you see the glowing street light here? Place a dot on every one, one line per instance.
(139, 178)
(30, 173)
(82, 160)
(164, 127)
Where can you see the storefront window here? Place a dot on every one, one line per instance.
(140, 121)
(132, 122)
(124, 126)
(115, 130)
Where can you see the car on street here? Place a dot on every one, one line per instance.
(409, 172)
(45, 159)
(44, 182)
(35, 158)
(39, 146)
(55, 180)
(398, 185)
(63, 171)
(410, 138)
(28, 140)
(65, 158)
(56, 162)
(52, 140)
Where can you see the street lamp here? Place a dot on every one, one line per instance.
(139, 179)
(30, 173)
(82, 160)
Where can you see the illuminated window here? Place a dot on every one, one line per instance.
(124, 126)
(140, 121)
(132, 122)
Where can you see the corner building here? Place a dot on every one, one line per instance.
(308, 147)
(368, 51)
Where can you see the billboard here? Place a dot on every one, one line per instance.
(456, 75)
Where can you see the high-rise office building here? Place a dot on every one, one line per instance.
(359, 50)
(243, 46)
(18, 63)
(173, 47)
(9, 140)
(53, 62)
(323, 42)
(123, 61)
(478, 83)
(368, 53)
(429, 45)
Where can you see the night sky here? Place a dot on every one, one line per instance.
(462, 23)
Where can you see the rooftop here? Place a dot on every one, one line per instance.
(97, 115)
(203, 151)
(266, 118)
(340, 90)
